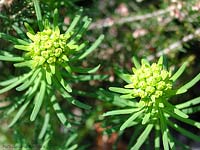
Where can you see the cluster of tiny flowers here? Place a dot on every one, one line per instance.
(150, 81)
(48, 47)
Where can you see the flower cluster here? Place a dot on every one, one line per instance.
(150, 81)
(48, 47)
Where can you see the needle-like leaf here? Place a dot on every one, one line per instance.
(183, 131)
(136, 62)
(131, 119)
(19, 113)
(14, 84)
(59, 112)
(120, 90)
(121, 112)
(38, 14)
(8, 58)
(85, 70)
(38, 101)
(13, 39)
(75, 21)
(45, 125)
(179, 72)
(188, 85)
(142, 137)
(188, 103)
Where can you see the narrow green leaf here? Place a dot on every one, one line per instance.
(24, 64)
(136, 62)
(70, 140)
(82, 46)
(146, 118)
(29, 28)
(38, 14)
(80, 78)
(180, 113)
(92, 48)
(59, 112)
(191, 110)
(135, 135)
(189, 84)
(22, 47)
(55, 18)
(180, 91)
(19, 31)
(142, 137)
(53, 68)
(147, 115)
(13, 39)
(189, 103)
(145, 62)
(45, 125)
(14, 84)
(46, 25)
(85, 70)
(120, 90)
(121, 112)
(83, 28)
(123, 76)
(36, 85)
(26, 84)
(63, 83)
(31, 36)
(163, 130)
(48, 77)
(157, 137)
(179, 72)
(6, 53)
(9, 81)
(46, 140)
(16, 105)
(8, 58)
(38, 101)
(70, 99)
(73, 101)
(182, 146)
(171, 141)
(130, 120)
(19, 113)
(184, 132)
(73, 147)
(127, 96)
(188, 121)
(175, 110)
(75, 21)
(161, 59)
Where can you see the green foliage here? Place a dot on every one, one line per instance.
(56, 70)
(154, 109)
(48, 55)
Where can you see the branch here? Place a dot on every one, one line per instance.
(175, 45)
(108, 22)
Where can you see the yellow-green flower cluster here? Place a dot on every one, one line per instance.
(49, 47)
(150, 81)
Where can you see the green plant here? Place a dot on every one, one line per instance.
(50, 57)
(153, 86)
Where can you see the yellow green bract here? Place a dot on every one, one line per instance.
(49, 47)
(150, 81)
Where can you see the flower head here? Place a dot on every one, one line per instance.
(150, 81)
(49, 47)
